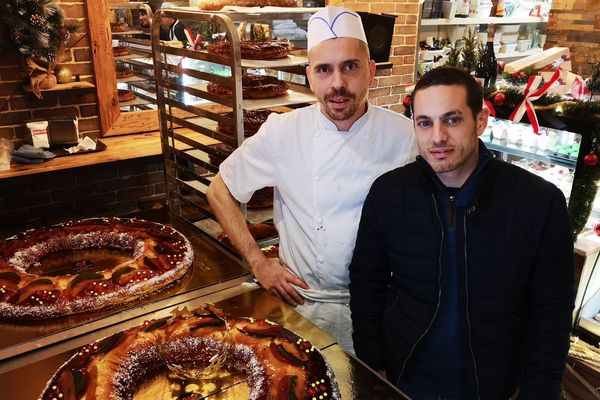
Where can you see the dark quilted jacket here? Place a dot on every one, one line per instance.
(516, 291)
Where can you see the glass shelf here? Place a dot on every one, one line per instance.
(503, 146)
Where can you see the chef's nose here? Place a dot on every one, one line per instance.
(339, 79)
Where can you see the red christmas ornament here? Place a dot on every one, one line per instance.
(597, 228)
(500, 99)
(590, 160)
(407, 101)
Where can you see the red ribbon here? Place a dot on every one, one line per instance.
(527, 106)
(490, 107)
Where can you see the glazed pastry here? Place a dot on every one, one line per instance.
(161, 255)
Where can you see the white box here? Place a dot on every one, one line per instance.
(449, 9)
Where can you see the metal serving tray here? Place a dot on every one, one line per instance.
(213, 269)
(355, 380)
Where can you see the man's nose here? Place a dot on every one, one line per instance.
(439, 133)
(339, 79)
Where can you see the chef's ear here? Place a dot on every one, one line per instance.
(309, 76)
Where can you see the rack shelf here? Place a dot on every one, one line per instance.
(483, 21)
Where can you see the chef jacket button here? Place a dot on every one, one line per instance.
(367, 138)
(317, 178)
(321, 259)
(319, 220)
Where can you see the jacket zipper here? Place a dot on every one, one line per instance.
(452, 221)
(467, 306)
(437, 307)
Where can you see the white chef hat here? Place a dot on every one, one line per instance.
(333, 22)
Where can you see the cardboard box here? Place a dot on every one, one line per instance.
(544, 60)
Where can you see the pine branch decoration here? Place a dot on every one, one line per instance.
(453, 57)
(593, 83)
(470, 54)
(36, 28)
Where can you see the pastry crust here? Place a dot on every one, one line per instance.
(125, 95)
(278, 364)
(253, 120)
(122, 27)
(216, 5)
(119, 51)
(259, 231)
(253, 87)
(161, 255)
(253, 49)
(123, 72)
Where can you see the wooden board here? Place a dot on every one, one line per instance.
(65, 86)
(117, 148)
(101, 45)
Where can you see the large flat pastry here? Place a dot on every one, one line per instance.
(253, 120)
(277, 363)
(253, 87)
(253, 49)
(216, 5)
(49, 272)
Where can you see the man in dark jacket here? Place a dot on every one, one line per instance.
(461, 283)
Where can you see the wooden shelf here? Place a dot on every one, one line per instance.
(483, 21)
(130, 32)
(64, 86)
(126, 5)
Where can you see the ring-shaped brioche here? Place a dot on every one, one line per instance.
(278, 364)
(161, 255)
(253, 87)
(253, 49)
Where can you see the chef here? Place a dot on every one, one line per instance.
(321, 161)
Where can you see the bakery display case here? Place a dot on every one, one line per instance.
(131, 46)
(353, 378)
(552, 154)
(556, 154)
(212, 270)
(221, 92)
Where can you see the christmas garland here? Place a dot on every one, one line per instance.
(520, 77)
(35, 27)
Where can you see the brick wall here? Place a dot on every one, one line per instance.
(390, 81)
(107, 190)
(17, 105)
(576, 24)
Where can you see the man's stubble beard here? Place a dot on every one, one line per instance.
(340, 115)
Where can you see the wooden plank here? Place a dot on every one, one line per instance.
(101, 45)
(65, 86)
(117, 148)
(140, 121)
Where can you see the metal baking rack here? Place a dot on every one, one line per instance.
(190, 160)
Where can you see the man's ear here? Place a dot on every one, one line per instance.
(371, 73)
(482, 120)
(309, 76)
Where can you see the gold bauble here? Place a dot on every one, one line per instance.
(63, 75)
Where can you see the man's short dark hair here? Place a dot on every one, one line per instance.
(453, 76)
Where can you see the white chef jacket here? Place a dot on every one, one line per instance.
(321, 177)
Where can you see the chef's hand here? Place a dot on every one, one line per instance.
(274, 276)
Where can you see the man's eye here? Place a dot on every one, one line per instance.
(351, 66)
(322, 70)
(424, 124)
(453, 120)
